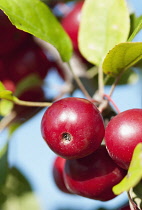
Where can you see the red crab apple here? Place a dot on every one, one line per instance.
(72, 127)
(71, 23)
(122, 135)
(28, 60)
(58, 167)
(10, 37)
(9, 85)
(93, 176)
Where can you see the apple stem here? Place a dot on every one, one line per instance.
(30, 103)
(100, 81)
(113, 103)
(115, 83)
(7, 120)
(79, 83)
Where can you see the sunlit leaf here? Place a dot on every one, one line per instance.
(27, 201)
(128, 77)
(5, 107)
(1, 86)
(103, 25)
(122, 57)
(7, 94)
(137, 27)
(36, 18)
(134, 174)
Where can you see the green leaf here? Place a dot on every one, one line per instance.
(17, 192)
(26, 83)
(128, 77)
(122, 57)
(134, 174)
(27, 201)
(7, 94)
(137, 24)
(1, 86)
(136, 194)
(36, 18)
(17, 183)
(3, 165)
(103, 25)
(12, 128)
(5, 107)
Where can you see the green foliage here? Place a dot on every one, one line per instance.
(5, 107)
(102, 28)
(3, 165)
(27, 83)
(122, 57)
(134, 174)
(136, 194)
(128, 77)
(36, 18)
(7, 94)
(136, 27)
(17, 192)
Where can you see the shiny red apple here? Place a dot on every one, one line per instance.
(122, 134)
(72, 127)
(93, 176)
(58, 167)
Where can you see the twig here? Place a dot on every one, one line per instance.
(110, 100)
(7, 120)
(79, 83)
(100, 81)
(115, 83)
(31, 103)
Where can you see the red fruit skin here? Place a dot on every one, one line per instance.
(125, 208)
(2, 70)
(71, 23)
(80, 120)
(93, 176)
(122, 134)
(9, 85)
(58, 167)
(10, 37)
(26, 61)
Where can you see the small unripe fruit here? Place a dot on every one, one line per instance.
(72, 127)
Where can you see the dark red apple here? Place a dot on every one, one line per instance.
(10, 37)
(71, 23)
(122, 134)
(58, 168)
(29, 59)
(93, 176)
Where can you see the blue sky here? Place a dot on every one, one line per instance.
(30, 153)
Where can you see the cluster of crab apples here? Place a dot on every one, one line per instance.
(91, 158)
(21, 57)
